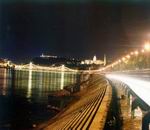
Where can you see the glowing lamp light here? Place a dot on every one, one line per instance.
(147, 46)
(128, 56)
(142, 51)
(116, 62)
(136, 52)
(123, 58)
(131, 53)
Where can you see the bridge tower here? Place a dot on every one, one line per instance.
(105, 60)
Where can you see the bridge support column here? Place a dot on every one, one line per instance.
(146, 121)
(135, 109)
(143, 112)
(133, 105)
(62, 77)
(30, 80)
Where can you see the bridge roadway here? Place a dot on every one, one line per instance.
(137, 80)
(89, 112)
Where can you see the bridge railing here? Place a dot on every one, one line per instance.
(34, 67)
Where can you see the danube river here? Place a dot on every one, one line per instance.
(24, 96)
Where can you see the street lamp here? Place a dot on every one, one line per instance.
(147, 46)
(142, 50)
(136, 52)
(131, 53)
(123, 58)
(128, 56)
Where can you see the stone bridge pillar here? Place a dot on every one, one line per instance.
(146, 121)
(135, 107)
(144, 109)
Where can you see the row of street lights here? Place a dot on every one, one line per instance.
(125, 58)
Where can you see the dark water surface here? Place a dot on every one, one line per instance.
(24, 96)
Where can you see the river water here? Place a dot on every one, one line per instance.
(24, 96)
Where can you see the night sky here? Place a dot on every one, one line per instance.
(74, 29)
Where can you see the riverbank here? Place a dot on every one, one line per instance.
(75, 106)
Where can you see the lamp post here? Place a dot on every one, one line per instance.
(147, 49)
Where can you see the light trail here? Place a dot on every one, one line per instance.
(29, 81)
(62, 78)
(140, 87)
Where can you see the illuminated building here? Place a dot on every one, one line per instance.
(94, 61)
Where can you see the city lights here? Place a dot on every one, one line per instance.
(119, 62)
(136, 52)
(131, 53)
(34, 67)
(147, 46)
(123, 58)
(129, 56)
(142, 51)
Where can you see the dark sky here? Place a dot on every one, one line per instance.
(75, 29)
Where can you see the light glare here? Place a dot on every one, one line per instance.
(147, 46)
(140, 87)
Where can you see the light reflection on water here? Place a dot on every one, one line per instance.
(37, 85)
(20, 89)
